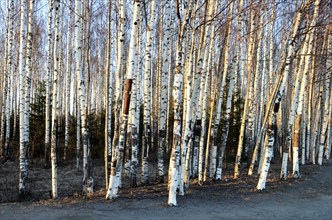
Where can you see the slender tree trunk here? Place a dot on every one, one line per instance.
(246, 103)
(48, 84)
(6, 114)
(133, 113)
(68, 79)
(55, 103)
(325, 110)
(147, 101)
(116, 168)
(177, 102)
(118, 88)
(108, 97)
(209, 46)
(23, 175)
(272, 121)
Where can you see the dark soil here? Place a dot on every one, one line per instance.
(308, 197)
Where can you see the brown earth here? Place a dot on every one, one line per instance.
(309, 197)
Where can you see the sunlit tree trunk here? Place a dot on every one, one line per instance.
(254, 95)
(206, 70)
(294, 107)
(271, 60)
(195, 99)
(118, 88)
(116, 171)
(177, 102)
(246, 103)
(272, 121)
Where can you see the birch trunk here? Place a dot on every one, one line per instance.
(325, 112)
(246, 102)
(116, 171)
(23, 174)
(294, 107)
(272, 121)
(108, 97)
(177, 102)
(28, 61)
(133, 110)
(9, 73)
(118, 88)
(208, 70)
(55, 103)
(147, 100)
(48, 84)
(68, 79)
(166, 55)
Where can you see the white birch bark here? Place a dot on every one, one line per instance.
(247, 99)
(272, 121)
(329, 123)
(108, 97)
(177, 102)
(216, 113)
(147, 99)
(325, 113)
(23, 174)
(188, 116)
(208, 70)
(28, 75)
(166, 57)
(226, 117)
(9, 72)
(114, 179)
(55, 102)
(78, 129)
(271, 61)
(329, 128)
(201, 109)
(133, 110)
(294, 107)
(48, 83)
(68, 78)
(253, 111)
(118, 89)
(4, 89)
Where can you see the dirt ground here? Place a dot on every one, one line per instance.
(309, 197)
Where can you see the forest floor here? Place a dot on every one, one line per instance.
(309, 197)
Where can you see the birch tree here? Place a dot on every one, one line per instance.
(270, 131)
(177, 101)
(55, 104)
(116, 171)
(68, 78)
(23, 174)
(48, 83)
(108, 97)
(251, 48)
(118, 88)
(147, 99)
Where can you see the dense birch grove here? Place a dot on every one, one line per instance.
(164, 90)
